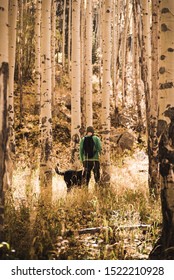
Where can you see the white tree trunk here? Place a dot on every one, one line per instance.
(136, 69)
(69, 37)
(75, 96)
(145, 4)
(12, 52)
(4, 69)
(45, 114)
(124, 46)
(82, 62)
(53, 40)
(88, 63)
(38, 54)
(153, 120)
(106, 92)
(63, 34)
(164, 247)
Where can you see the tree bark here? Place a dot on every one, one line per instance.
(63, 34)
(137, 67)
(88, 63)
(106, 92)
(153, 120)
(75, 95)
(45, 114)
(4, 75)
(37, 56)
(12, 52)
(164, 247)
(69, 37)
(53, 40)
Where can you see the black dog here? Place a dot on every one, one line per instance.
(71, 177)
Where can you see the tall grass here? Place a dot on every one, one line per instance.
(39, 230)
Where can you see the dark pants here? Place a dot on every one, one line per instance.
(88, 167)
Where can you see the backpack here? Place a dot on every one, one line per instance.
(88, 146)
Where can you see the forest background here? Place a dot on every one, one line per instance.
(65, 65)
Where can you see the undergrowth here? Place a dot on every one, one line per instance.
(113, 216)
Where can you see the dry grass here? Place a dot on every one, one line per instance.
(37, 230)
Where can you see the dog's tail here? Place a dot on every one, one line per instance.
(58, 171)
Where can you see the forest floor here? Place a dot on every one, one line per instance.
(119, 222)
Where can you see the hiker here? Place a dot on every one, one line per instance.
(90, 149)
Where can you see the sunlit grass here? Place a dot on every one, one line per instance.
(37, 230)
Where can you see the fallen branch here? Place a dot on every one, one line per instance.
(100, 229)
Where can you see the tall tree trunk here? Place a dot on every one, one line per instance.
(37, 55)
(100, 44)
(4, 74)
(45, 114)
(69, 36)
(164, 247)
(88, 63)
(137, 67)
(106, 92)
(63, 34)
(124, 50)
(53, 39)
(20, 57)
(153, 120)
(146, 53)
(75, 96)
(82, 62)
(145, 6)
(12, 51)
(115, 52)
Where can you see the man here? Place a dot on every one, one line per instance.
(90, 149)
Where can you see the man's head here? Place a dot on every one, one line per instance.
(90, 130)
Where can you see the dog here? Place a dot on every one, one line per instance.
(71, 177)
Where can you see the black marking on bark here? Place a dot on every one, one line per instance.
(162, 57)
(164, 27)
(166, 85)
(162, 70)
(170, 50)
(44, 119)
(76, 138)
(165, 11)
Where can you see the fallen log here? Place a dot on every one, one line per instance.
(94, 230)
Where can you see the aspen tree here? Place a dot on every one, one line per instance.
(37, 55)
(153, 118)
(45, 114)
(146, 57)
(88, 63)
(164, 246)
(53, 39)
(75, 80)
(12, 50)
(100, 43)
(146, 17)
(4, 75)
(106, 91)
(69, 36)
(115, 54)
(20, 56)
(124, 49)
(136, 66)
(82, 62)
(63, 34)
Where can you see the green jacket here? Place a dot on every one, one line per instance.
(97, 143)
